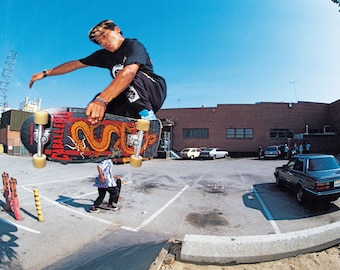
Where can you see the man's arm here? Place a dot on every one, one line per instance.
(101, 175)
(120, 83)
(96, 109)
(61, 69)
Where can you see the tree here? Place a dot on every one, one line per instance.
(336, 2)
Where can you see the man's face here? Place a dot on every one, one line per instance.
(110, 39)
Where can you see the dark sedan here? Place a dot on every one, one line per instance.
(313, 176)
(272, 152)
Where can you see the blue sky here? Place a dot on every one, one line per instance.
(210, 51)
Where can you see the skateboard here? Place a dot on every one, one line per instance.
(65, 135)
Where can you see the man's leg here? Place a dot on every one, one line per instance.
(119, 106)
(99, 200)
(114, 194)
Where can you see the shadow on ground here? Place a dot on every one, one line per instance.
(8, 257)
(281, 203)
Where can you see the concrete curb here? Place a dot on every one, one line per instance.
(259, 248)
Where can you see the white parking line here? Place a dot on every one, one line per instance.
(157, 213)
(56, 181)
(70, 209)
(19, 226)
(267, 212)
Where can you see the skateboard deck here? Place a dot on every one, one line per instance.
(68, 137)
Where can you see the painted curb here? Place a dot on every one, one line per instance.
(259, 248)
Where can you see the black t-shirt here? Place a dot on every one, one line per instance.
(131, 51)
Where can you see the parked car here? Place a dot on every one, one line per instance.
(311, 177)
(213, 153)
(272, 151)
(190, 153)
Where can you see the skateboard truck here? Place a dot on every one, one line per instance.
(142, 126)
(41, 137)
(44, 138)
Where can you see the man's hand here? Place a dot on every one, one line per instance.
(35, 77)
(95, 111)
(102, 178)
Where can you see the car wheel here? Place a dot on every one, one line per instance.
(191, 157)
(300, 196)
(278, 181)
(214, 157)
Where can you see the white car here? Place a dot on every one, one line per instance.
(190, 153)
(213, 153)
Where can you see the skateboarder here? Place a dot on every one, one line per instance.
(106, 182)
(135, 91)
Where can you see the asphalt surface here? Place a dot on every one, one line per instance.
(161, 200)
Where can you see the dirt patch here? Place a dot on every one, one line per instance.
(326, 259)
(207, 219)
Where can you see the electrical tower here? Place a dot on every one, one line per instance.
(5, 78)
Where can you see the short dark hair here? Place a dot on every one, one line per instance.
(94, 31)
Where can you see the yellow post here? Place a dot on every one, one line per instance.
(37, 204)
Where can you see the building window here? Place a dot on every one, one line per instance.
(195, 133)
(280, 133)
(240, 133)
(248, 133)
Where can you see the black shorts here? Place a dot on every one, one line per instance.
(145, 92)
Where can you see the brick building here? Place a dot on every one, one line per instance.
(10, 132)
(238, 128)
(241, 128)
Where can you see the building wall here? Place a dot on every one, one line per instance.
(260, 117)
(14, 118)
(335, 121)
(13, 142)
(3, 136)
(11, 122)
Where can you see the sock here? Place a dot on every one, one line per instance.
(147, 115)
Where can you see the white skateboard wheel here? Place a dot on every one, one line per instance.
(41, 118)
(143, 125)
(39, 162)
(136, 161)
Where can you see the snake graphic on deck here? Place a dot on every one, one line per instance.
(102, 144)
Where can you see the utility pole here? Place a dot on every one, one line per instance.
(5, 78)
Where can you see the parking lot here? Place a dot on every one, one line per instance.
(170, 198)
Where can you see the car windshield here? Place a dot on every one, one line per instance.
(322, 164)
(271, 148)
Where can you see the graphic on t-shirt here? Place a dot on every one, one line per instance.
(132, 94)
(116, 69)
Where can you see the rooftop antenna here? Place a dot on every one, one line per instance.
(5, 78)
